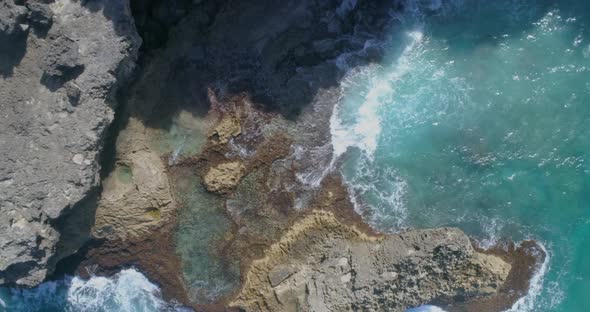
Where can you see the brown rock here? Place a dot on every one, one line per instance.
(227, 128)
(224, 177)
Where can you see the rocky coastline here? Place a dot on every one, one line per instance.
(220, 184)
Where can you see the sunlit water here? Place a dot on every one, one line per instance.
(480, 119)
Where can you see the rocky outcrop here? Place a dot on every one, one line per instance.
(136, 198)
(221, 189)
(224, 177)
(323, 265)
(227, 128)
(60, 65)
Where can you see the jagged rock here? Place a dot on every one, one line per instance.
(227, 128)
(323, 265)
(40, 15)
(61, 62)
(12, 16)
(49, 149)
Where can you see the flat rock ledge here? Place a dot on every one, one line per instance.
(322, 265)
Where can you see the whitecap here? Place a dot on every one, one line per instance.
(365, 130)
(528, 302)
(127, 291)
(426, 308)
(345, 7)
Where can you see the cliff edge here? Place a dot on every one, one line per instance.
(58, 78)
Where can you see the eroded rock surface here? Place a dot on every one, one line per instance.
(323, 265)
(224, 177)
(136, 197)
(60, 65)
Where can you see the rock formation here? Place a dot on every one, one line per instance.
(323, 265)
(136, 198)
(224, 177)
(60, 65)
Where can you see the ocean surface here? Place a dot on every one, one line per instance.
(477, 117)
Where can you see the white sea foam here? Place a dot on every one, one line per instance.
(2, 303)
(528, 302)
(491, 228)
(174, 157)
(426, 308)
(314, 174)
(127, 291)
(364, 132)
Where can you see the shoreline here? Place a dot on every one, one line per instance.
(157, 257)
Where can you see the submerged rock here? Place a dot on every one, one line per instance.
(322, 265)
(49, 148)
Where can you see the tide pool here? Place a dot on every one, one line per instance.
(479, 118)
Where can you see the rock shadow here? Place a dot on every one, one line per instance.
(75, 228)
(12, 50)
(13, 36)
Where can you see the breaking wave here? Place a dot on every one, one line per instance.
(127, 291)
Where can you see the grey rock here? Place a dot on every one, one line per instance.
(49, 149)
(280, 273)
(61, 62)
(40, 15)
(323, 265)
(12, 16)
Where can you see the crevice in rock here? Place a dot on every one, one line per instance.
(75, 237)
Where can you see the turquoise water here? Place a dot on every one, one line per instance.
(480, 119)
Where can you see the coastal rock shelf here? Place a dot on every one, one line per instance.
(218, 180)
(322, 265)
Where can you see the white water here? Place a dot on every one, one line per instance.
(527, 303)
(357, 127)
(426, 308)
(364, 128)
(127, 291)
